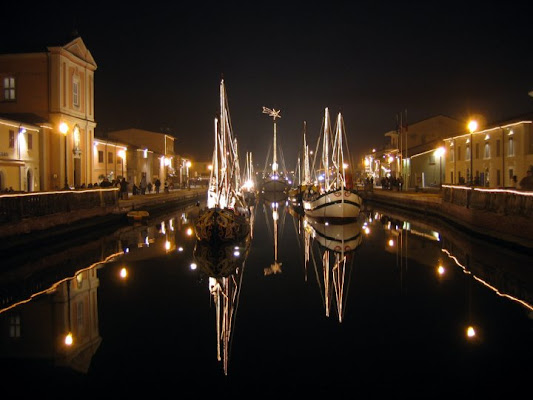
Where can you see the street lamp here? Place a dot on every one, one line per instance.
(122, 155)
(188, 164)
(439, 153)
(472, 127)
(63, 128)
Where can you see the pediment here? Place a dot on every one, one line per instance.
(77, 47)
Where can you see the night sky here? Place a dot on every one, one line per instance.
(159, 66)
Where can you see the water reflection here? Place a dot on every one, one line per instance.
(399, 288)
(275, 212)
(223, 264)
(336, 243)
(49, 301)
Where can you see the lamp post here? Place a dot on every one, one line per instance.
(472, 127)
(122, 155)
(63, 128)
(439, 153)
(188, 181)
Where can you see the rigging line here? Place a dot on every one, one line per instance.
(317, 276)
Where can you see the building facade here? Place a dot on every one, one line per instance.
(154, 154)
(19, 156)
(496, 156)
(57, 84)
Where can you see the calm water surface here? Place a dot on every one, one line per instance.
(284, 316)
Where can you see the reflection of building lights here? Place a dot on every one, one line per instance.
(367, 230)
(470, 332)
(68, 339)
(167, 245)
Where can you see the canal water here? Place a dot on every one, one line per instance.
(384, 305)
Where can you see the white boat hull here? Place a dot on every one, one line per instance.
(334, 204)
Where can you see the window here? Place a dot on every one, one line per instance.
(11, 139)
(30, 141)
(510, 148)
(76, 91)
(452, 154)
(477, 151)
(497, 148)
(109, 157)
(100, 157)
(467, 157)
(486, 153)
(14, 326)
(459, 153)
(9, 88)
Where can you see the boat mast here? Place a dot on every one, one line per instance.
(274, 114)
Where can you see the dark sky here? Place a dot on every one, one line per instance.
(159, 66)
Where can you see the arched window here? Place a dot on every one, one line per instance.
(510, 148)
(486, 153)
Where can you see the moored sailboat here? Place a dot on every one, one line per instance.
(334, 196)
(226, 217)
(274, 182)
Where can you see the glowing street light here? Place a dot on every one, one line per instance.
(439, 153)
(63, 128)
(472, 127)
(122, 155)
(188, 165)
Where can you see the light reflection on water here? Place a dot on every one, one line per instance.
(295, 308)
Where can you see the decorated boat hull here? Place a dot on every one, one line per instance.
(334, 204)
(221, 225)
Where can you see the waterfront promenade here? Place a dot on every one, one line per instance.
(98, 214)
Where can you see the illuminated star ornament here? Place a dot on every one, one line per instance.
(272, 113)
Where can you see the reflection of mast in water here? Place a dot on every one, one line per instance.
(275, 267)
(224, 264)
(337, 243)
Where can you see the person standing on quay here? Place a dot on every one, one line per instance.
(143, 184)
(526, 183)
(157, 185)
(123, 189)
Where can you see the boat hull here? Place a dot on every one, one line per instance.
(221, 225)
(334, 204)
(274, 185)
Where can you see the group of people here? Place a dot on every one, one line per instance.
(526, 183)
(143, 187)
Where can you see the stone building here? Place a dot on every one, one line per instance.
(54, 82)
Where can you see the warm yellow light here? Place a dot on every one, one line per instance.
(167, 245)
(391, 159)
(210, 167)
(189, 231)
(122, 154)
(188, 164)
(391, 242)
(63, 128)
(123, 273)
(439, 152)
(440, 270)
(470, 332)
(193, 266)
(68, 339)
(472, 126)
